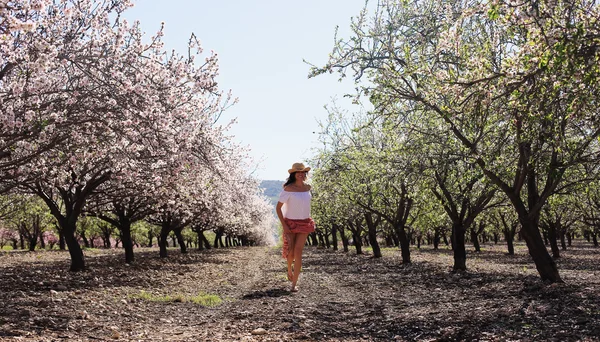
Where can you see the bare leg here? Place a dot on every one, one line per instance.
(290, 257)
(299, 242)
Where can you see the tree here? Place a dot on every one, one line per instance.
(514, 83)
(506, 219)
(27, 216)
(104, 106)
(557, 219)
(464, 193)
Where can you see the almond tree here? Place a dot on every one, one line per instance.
(27, 216)
(374, 172)
(462, 190)
(326, 206)
(588, 208)
(105, 105)
(515, 83)
(557, 219)
(505, 219)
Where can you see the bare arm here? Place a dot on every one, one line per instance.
(286, 229)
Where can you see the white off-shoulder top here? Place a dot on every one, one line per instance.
(296, 205)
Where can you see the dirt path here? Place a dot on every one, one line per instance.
(343, 297)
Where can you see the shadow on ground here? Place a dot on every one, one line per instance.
(343, 297)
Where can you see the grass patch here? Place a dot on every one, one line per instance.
(203, 299)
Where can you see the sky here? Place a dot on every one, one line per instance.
(261, 46)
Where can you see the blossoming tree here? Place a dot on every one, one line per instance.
(514, 82)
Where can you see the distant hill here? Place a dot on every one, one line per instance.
(272, 189)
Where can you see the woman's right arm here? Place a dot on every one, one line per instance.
(286, 229)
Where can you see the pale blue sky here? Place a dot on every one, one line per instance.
(261, 46)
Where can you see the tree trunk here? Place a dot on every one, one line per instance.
(86, 242)
(404, 243)
(40, 233)
(61, 239)
(357, 243)
(125, 227)
(204, 240)
(389, 242)
(217, 238)
(509, 237)
(436, 239)
(32, 237)
(553, 242)
(180, 240)
(396, 239)
(372, 232)
(475, 240)
(200, 243)
(68, 227)
(32, 243)
(164, 238)
(334, 236)
(313, 239)
(458, 243)
(106, 238)
(545, 265)
(344, 238)
(563, 242)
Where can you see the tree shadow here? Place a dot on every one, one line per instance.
(423, 301)
(270, 293)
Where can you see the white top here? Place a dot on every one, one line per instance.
(296, 205)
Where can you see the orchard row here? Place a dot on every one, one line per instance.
(98, 120)
(485, 118)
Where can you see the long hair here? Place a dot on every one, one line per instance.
(291, 179)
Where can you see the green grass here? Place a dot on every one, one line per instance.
(7, 248)
(203, 299)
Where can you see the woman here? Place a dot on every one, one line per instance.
(293, 210)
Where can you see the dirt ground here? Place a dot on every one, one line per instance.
(342, 297)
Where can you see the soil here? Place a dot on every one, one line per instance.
(342, 297)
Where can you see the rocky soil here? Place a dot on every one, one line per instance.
(342, 297)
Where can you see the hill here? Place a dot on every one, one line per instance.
(272, 189)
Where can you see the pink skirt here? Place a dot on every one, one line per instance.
(304, 226)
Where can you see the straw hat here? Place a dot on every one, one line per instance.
(298, 167)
